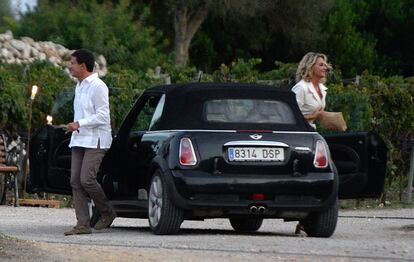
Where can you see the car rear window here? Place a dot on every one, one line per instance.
(248, 111)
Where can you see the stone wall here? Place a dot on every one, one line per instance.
(26, 50)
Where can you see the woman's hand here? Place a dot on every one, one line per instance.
(314, 115)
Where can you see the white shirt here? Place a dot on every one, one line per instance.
(308, 99)
(91, 108)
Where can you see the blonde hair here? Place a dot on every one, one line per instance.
(305, 71)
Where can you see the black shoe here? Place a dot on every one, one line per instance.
(78, 230)
(105, 221)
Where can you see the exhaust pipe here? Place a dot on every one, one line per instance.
(253, 209)
(261, 209)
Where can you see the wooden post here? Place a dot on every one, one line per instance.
(26, 166)
(410, 177)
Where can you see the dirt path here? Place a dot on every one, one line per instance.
(361, 235)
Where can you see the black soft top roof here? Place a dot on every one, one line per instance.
(185, 104)
(195, 87)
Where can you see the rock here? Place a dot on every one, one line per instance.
(101, 60)
(26, 50)
(67, 55)
(18, 45)
(50, 51)
(42, 56)
(54, 60)
(5, 53)
(6, 36)
(11, 60)
(28, 40)
(34, 52)
(11, 49)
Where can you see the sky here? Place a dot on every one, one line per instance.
(22, 5)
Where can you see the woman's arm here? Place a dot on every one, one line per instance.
(314, 115)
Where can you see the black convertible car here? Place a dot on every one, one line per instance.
(236, 151)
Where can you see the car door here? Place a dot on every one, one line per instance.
(360, 159)
(50, 160)
(130, 153)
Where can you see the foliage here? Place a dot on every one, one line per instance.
(391, 23)
(243, 29)
(124, 87)
(5, 14)
(383, 105)
(239, 71)
(392, 102)
(348, 47)
(368, 35)
(16, 82)
(104, 28)
(354, 102)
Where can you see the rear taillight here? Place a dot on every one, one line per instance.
(321, 155)
(187, 154)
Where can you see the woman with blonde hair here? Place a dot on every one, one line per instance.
(310, 89)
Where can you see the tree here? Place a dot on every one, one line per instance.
(392, 24)
(186, 24)
(239, 26)
(349, 47)
(6, 13)
(101, 26)
(188, 15)
(281, 30)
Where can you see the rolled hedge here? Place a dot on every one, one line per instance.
(383, 105)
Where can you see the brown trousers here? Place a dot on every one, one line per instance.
(84, 168)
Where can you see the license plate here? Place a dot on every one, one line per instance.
(256, 154)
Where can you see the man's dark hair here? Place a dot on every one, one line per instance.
(84, 56)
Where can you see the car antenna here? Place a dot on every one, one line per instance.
(200, 75)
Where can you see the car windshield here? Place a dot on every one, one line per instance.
(248, 111)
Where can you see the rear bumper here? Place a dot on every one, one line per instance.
(194, 189)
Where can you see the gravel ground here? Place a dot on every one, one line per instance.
(363, 235)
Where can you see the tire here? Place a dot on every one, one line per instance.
(94, 215)
(246, 224)
(322, 224)
(163, 216)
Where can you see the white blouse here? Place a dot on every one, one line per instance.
(91, 108)
(308, 99)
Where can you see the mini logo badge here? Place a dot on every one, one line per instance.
(256, 136)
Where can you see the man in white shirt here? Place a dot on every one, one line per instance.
(91, 137)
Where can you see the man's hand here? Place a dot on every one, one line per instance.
(73, 126)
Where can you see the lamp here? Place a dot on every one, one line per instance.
(35, 88)
(49, 119)
(34, 92)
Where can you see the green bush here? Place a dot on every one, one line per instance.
(16, 82)
(383, 105)
(105, 28)
(354, 103)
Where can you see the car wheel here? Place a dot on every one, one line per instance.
(163, 216)
(322, 224)
(94, 215)
(246, 224)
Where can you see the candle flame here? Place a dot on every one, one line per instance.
(34, 91)
(49, 119)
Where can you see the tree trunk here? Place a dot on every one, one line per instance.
(186, 24)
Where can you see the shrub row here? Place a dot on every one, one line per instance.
(384, 105)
